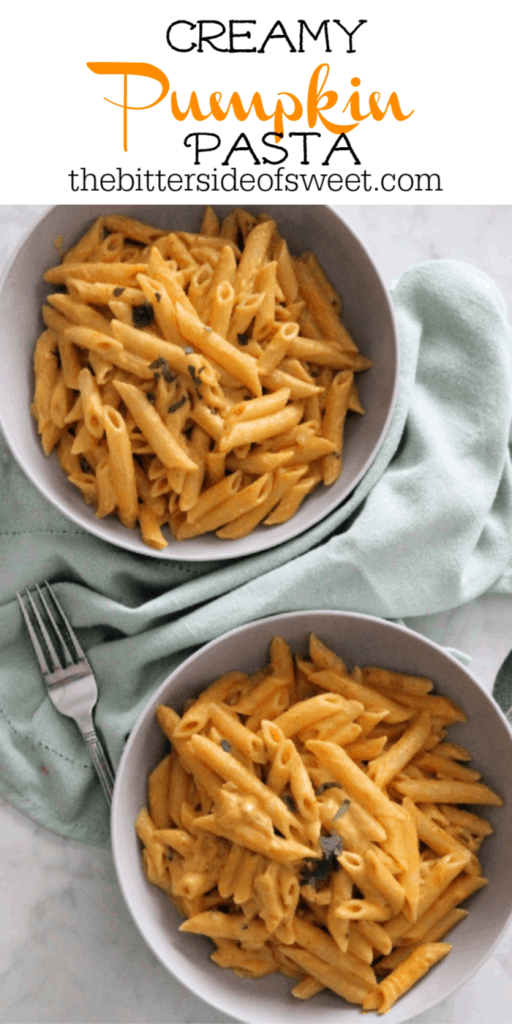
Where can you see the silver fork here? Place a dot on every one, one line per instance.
(68, 676)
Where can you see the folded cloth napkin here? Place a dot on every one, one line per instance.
(428, 528)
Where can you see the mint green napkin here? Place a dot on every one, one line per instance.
(429, 528)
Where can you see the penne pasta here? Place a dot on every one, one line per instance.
(213, 346)
(290, 856)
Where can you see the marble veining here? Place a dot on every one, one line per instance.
(69, 951)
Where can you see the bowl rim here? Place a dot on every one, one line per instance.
(227, 551)
(151, 704)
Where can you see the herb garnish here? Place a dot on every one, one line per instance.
(143, 315)
(226, 746)
(158, 296)
(118, 291)
(332, 845)
(342, 810)
(316, 871)
(162, 367)
(327, 785)
(177, 405)
(290, 802)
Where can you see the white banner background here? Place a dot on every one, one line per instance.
(446, 63)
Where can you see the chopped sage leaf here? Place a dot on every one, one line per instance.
(320, 870)
(164, 369)
(318, 873)
(332, 845)
(327, 785)
(177, 405)
(143, 315)
(343, 810)
(118, 291)
(290, 803)
(226, 746)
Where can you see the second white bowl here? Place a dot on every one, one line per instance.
(360, 640)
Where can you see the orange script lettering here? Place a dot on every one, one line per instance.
(318, 100)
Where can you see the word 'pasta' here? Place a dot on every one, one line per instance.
(199, 381)
(307, 820)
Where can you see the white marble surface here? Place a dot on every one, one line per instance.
(69, 950)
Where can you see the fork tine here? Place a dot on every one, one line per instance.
(34, 637)
(44, 632)
(58, 632)
(70, 636)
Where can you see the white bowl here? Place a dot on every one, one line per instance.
(360, 640)
(367, 314)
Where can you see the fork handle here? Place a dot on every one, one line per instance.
(100, 762)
